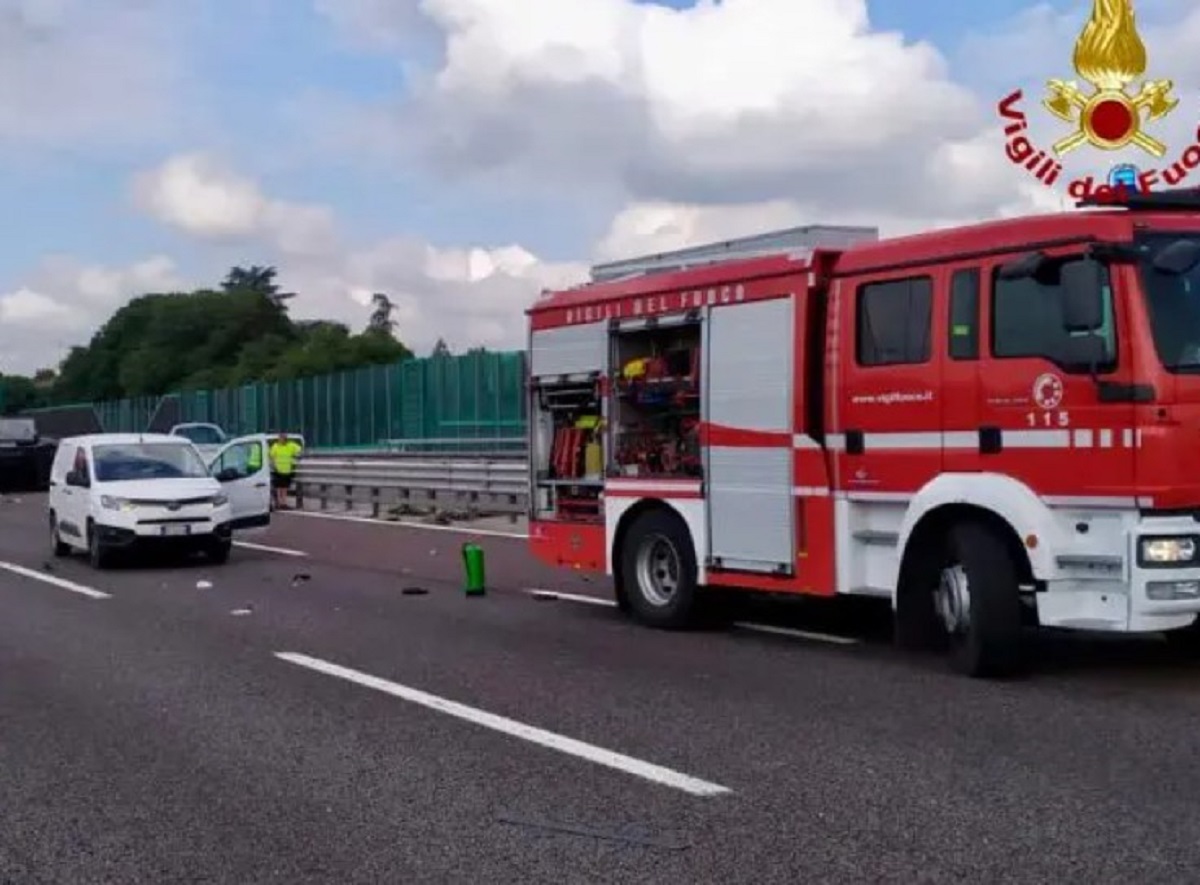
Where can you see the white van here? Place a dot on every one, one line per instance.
(208, 438)
(115, 492)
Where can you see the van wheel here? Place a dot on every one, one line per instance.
(219, 552)
(658, 570)
(978, 603)
(1185, 640)
(99, 556)
(57, 546)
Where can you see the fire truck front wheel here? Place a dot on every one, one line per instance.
(978, 603)
(658, 570)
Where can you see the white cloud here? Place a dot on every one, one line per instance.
(63, 303)
(469, 296)
(79, 71)
(739, 102)
(724, 119)
(200, 196)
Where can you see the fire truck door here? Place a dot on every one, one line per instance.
(748, 459)
(960, 406)
(1047, 424)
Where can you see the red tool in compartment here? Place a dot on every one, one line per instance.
(567, 452)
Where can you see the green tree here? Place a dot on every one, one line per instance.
(258, 279)
(211, 338)
(381, 314)
(18, 393)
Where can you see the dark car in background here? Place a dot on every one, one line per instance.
(25, 456)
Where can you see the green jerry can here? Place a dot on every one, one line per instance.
(474, 580)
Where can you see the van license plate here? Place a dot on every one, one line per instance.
(175, 530)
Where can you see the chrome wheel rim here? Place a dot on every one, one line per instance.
(658, 570)
(952, 600)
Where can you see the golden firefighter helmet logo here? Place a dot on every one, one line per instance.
(1110, 55)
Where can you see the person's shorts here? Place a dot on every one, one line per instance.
(281, 480)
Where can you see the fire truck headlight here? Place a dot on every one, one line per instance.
(1167, 551)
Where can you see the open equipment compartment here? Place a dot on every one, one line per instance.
(655, 404)
(568, 365)
(568, 447)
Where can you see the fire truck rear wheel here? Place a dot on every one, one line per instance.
(658, 570)
(978, 602)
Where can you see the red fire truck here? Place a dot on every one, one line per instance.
(994, 427)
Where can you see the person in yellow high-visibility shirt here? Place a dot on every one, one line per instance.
(283, 454)
(255, 458)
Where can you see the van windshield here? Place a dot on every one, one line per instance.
(201, 434)
(121, 462)
(1173, 304)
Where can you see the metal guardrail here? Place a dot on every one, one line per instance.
(471, 486)
(480, 449)
(459, 447)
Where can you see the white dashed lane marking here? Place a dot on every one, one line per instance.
(54, 581)
(264, 548)
(548, 739)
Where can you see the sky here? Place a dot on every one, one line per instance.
(463, 155)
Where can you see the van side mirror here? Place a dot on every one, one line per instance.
(1083, 302)
(1178, 258)
(76, 479)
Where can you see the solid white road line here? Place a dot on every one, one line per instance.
(740, 625)
(796, 634)
(462, 530)
(89, 592)
(282, 551)
(550, 740)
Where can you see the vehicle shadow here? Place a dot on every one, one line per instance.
(1053, 653)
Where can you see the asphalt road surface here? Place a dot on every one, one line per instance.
(329, 707)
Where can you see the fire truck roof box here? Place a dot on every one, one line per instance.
(799, 242)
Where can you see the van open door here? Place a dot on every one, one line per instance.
(243, 469)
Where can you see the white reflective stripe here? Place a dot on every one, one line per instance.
(1036, 439)
(1101, 501)
(1085, 501)
(650, 485)
(877, 497)
(916, 440)
(810, 491)
(1082, 438)
(960, 439)
(803, 441)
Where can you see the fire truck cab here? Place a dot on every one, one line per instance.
(994, 426)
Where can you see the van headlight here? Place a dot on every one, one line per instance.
(220, 500)
(1179, 550)
(108, 502)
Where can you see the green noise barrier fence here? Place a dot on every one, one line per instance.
(471, 402)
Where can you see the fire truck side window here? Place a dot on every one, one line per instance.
(893, 322)
(964, 315)
(1027, 320)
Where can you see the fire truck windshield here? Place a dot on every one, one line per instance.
(1169, 265)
